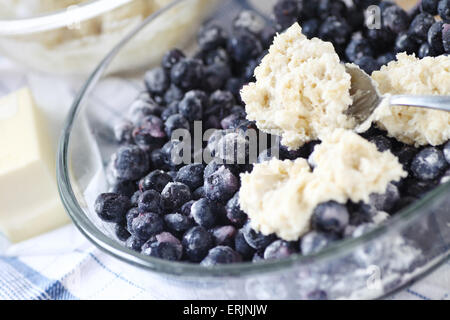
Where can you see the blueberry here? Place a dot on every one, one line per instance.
(221, 185)
(313, 242)
(286, 13)
(158, 159)
(221, 255)
(267, 35)
(150, 132)
(164, 246)
(395, 19)
(242, 247)
(358, 48)
(231, 121)
(121, 232)
(361, 213)
(187, 74)
(335, 30)
(384, 59)
(173, 94)
(197, 242)
(218, 55)
(123, 187)
(234, 212)
(257, 256)
(216, 76)
(176, 122)
(175, 194)
(233, 148)
(429, 6)
(193, 104)
(404, 202)
(381, 39)
(220, 103)
(178, 222)
(330, 217)
(131, 214)
(425, 51)
(435, 37)
(405, 154)
(363, 229)
(170, 110)
(363, 4)
(327, 8)
(387, 200)
(444, 10)
(244, 46)
(446, 37)
(172, 154)
(224, 235)
(157, 81)
(211, 36)
(255, 239)
(171, 58)
(191, 175)
(135, 197)
(248, 73)
(198, 193)
(186, 208)
(150, 201)
(317, 295)
(382, 143)
(368, 64)
(146, 225)
(155, 180)
(248, 21)
(428, 164)
(445, 177)
(139, 109)
(134, 243)
(418, 188)
(279, 249)
(446, 151)
(419, 27)
(405, 43)
(310, 28)
(112, 207)
(122, 132)
(130, 163)
(204, 213)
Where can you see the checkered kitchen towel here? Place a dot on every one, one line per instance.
(63, 265)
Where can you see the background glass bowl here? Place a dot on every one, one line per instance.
(381, 261)
(70, 37)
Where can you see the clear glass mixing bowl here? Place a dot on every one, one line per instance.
(381, 261)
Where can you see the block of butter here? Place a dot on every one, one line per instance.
(29, 201)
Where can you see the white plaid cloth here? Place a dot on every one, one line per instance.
(62, 264)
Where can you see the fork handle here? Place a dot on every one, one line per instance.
(430, 102)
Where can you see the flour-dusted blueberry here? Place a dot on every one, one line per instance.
(445, 177)
(214, 165)
(360, 213)
(124, 187)
(419, 27)
(358, 48)
(221, 255)
(220, 103)
(216, 76)
(384, 59)
(405, 43)
(123, 131)
(446, 151)
(249, 21)
(173, 154)
(155, 180)
(134, 243)
(418, 188)
(130, 163)
(286, 13)
(121, 232)
(150, 201)
(243, 46)
(385, 201)
(444, 10)
(425, 51)
(327, 8)
(336, 30)
(135, 198)
(231, 121)
(157, 81)
(256, 239)
(139, 109)
(164, 246)
(191, 175)
(314, 241)
(175, 194)
(170, 110)
(216, 56)
(204, 213)
(428, 164)
(211, 36)
(112, 207)
(446, 37)
(279, 249)
(186, 208)
(395, 19)
(146, 225)
(310, 28)
(405, 154)
(171, 58)
(430, 6)
(158, 159)
(381, 39)
(198, 193)
(193, 104)
(221, 185)
(382, 142)
(242, 247)
(224, 235)
(330, 217)
(234, 212)
(234, 147)
(197, 242)
(150, 132)
(368, 64)
(435, 37)
(178, 222)
(131, 214)
(176, 122)
(187, 74)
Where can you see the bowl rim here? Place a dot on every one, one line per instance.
(116, 249)
(59, 18)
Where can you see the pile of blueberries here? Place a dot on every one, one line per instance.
(191, 212)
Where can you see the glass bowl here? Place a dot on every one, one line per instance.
(371, 266)
(70, 37)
